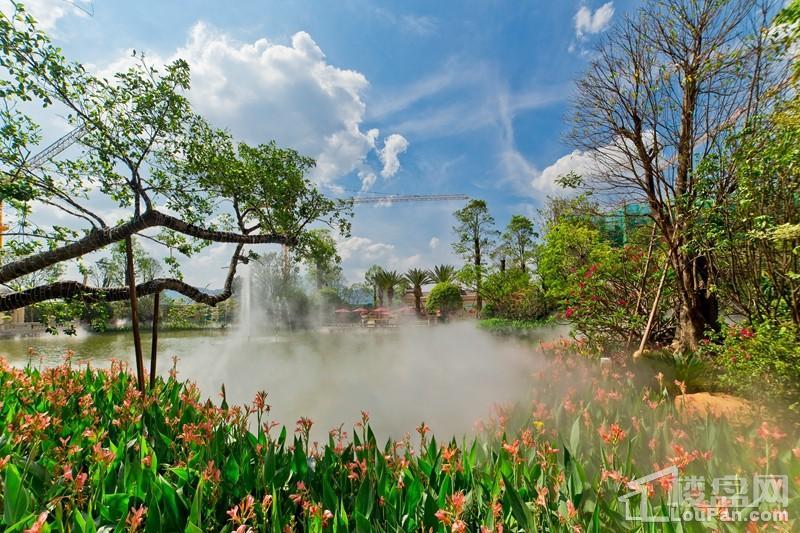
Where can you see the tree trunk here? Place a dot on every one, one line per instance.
(418, 299)
(154, 343)
(390, 295)
(698, 309)
(137, 338)
(478, 274)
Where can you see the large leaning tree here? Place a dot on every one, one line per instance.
(165, 173)
(664, 88)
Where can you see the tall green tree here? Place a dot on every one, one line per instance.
(517, 241)
(475, 234)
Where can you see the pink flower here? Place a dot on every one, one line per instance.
(569, 312)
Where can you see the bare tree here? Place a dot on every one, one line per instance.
(663, 90)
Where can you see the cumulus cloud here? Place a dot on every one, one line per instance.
(589, 22)
(287, 92)
(434, 243)
(394, 145)
(363, 247)
(577, 161)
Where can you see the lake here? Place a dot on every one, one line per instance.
(447, 376)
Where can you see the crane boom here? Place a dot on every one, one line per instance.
(407, 198)
(56, 147)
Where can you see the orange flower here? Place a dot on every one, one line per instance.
(135, 518)
(38, 525)
(613, 435)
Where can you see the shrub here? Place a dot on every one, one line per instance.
(444, 297)
(761, 362)
(512, 295)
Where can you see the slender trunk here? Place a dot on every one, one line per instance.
(390, 295)
(137, 338)
(478, 274)
(418, 299)
(154, 344)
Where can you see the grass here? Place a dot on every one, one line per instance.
(82, 450)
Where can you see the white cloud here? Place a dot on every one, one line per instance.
(394, 145)
(363, 248)
(290, 93)
(434, 243)
(367, 178)
(577, 161)
(590, 22)
(48, 12)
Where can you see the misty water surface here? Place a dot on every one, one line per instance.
(448, 376)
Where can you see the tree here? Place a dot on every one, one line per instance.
(475, 233)
(322, 257)
(416, 278)
(387, 281)
(110, 271)
(663, 90)
(371, 279)
(442, 273)
(146, 151)
(517, 241)
(445, 298)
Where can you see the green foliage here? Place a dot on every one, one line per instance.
(606, 291)
(474, 232)
(761, 362)
(567, 248)
(507, 327)
(752, 236)
(387, 282)
(416, 278)
(322, 258)
(513, 295)
(442, 273)
(517, 242)
(445, 298)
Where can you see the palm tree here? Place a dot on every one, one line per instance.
(417, 277)
(371, 278)
(380, 281)
(442, 273)
(391, 280)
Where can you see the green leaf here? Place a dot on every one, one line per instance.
(575, 436)
(16, 500)
(115, 507)
(518, 507)
(232, 471)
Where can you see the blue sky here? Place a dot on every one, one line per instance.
(410, 97)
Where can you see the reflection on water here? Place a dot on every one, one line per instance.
(448, 376)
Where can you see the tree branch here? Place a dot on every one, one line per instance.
(99, 238)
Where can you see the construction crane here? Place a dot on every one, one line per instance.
(358, 200)
(41, 158)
